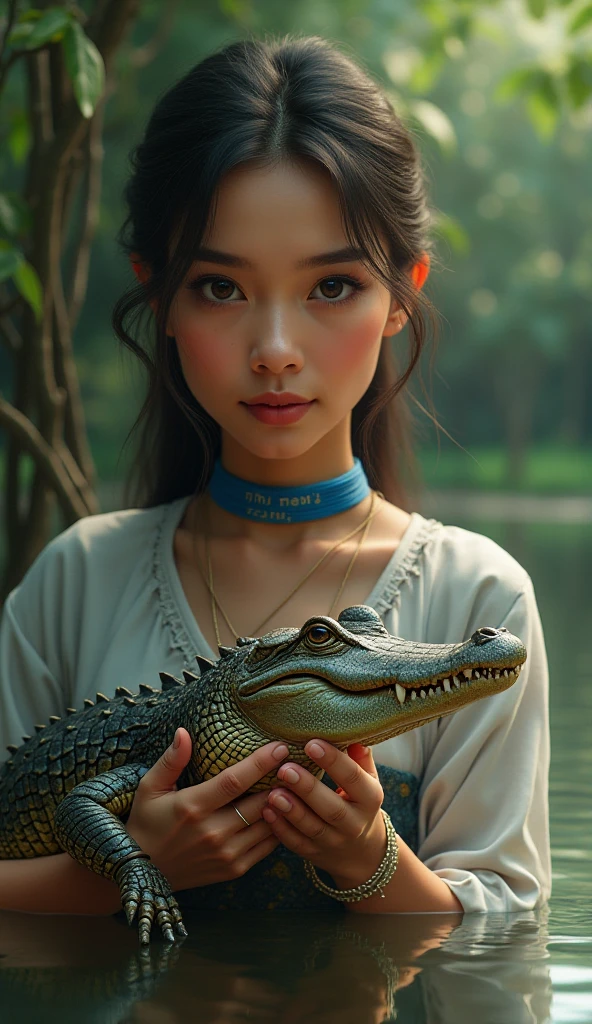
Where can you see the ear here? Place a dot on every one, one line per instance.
(397, 318)
(142, 272)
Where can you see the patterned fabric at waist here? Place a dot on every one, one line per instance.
(278, 882)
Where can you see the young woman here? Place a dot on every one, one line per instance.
(279, 229)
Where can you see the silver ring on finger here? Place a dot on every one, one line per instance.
(241, 816)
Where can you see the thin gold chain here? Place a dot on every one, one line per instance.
(369, 519)
(363, 526)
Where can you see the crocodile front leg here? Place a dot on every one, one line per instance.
(87, 826)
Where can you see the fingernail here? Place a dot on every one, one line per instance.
(282, 802)
(289, 775)
(315, 750)
(177, 740)
(280, 751)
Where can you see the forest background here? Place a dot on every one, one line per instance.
(498, 96)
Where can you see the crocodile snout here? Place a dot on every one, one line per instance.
(486, 633)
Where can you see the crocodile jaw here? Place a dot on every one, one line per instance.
(298, 707)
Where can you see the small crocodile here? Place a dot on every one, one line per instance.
(344, 680)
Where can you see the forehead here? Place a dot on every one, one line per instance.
(289, 209)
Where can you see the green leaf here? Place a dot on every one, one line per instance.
(435, 12)
(579, 81)
(85, 67)
(436, 122)
(10, 260)
(19, 35)
(426, 71)
(15, 214)
(581, 20)
(19, 137)
(543, 108)
(537, 8)
(48, 29)
(237, 9)
(27, 281)
(9, 218)
(516, 83)
(452, 231)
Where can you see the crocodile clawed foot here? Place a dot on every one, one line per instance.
(145, 891)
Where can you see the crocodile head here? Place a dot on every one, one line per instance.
(349, 680)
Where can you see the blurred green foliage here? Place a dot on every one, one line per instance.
(548, 469)
(498, 98)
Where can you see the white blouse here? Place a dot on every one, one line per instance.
(103, 606)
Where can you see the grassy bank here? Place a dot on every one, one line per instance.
(548, 470)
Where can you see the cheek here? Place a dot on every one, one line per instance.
(202, 356)
(356, 346)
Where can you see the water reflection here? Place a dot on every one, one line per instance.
(290, 969)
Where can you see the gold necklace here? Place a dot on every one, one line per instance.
(363, 526)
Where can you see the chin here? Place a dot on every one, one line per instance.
(276, 452)
(293, 444)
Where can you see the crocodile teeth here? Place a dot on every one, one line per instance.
(456, 682)
(422, 694)
(401, 694)
(413, 695)
(505, 673)
(468, 673)
(477, 674)
(438, 689)
(447, 686)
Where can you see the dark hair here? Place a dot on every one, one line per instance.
(295, 98)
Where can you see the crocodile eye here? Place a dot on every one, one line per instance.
(319, 635)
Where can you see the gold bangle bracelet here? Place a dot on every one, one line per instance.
(376, 883)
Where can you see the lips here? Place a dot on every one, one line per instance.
(279, 415)
(275, 398)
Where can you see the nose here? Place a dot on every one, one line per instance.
(486, 633)
(275, 349)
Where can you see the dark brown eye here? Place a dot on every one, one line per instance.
(221, 288)
(332, 287)
(319, 635)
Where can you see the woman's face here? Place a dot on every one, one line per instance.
(274, 304)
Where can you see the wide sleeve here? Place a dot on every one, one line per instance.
(32, 658)
(484, 825)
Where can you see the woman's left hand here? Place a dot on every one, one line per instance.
(341, 832)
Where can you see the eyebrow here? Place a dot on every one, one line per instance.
(349, 254)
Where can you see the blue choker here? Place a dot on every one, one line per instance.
(278, 504)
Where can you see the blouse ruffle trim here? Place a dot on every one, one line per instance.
(408, 566)
(180, 639)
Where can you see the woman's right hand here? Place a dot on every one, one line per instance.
(194, 835)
